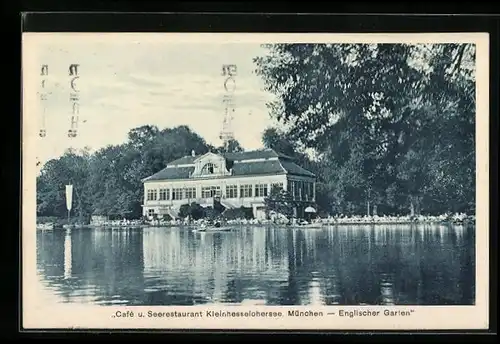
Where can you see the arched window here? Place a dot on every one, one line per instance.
(208, 168)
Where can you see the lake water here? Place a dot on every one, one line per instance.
(347, 265)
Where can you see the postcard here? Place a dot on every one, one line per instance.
(255, 181)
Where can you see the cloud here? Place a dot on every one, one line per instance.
(142, 81)
(161, 93)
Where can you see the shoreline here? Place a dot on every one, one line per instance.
(275, 225)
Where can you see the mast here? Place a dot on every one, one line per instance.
(69, 199)
(44, 73)
(74, 99)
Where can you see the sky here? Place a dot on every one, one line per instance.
(129, 80)
(126, 83)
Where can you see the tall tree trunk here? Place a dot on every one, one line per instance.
(417, 205)
(80, 210)
(368, 203)
(412, 207)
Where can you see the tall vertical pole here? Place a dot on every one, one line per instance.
(74, 99)
(189, 202)
(69, 199)
(44, 72)
(368, 203)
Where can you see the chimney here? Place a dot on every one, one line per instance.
(193, 154)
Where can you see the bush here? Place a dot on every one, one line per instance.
(194, 210)
(58, 222)
(238, 213)
(212, 213)
(47, 219)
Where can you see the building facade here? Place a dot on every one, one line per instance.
(233, 179)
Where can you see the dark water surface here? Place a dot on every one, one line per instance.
(347, 265)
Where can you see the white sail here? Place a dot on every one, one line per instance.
(69, 196)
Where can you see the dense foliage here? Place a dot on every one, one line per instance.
(391, 126)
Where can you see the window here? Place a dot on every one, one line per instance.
(210, 191)
(190, 193)
(217, 192)
(176, 194)
(310, 191)
(232, 191)
(246, 190)
(302, 190)
(261, 190)
(208, 168)
(164, 194)
(152, 195)
(296, 190)
(206, 192)
(151, 212)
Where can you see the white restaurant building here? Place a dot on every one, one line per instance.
(234, 179)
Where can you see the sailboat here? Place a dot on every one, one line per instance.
(69, 203)
(48, 226)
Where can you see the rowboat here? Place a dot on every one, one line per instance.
(310, 225)
(212, 229)
(45, 226)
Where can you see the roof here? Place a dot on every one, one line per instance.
(258, 162)
(293, 168)
(172, 173)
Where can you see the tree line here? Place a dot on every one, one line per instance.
(386, 128)
(108, 181)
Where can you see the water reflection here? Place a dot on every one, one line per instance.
(68, 260)
(347, 265)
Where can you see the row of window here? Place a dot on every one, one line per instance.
(246, 190)
(164, 194)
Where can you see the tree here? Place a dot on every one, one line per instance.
(273, 139)
(233, 146)
(282, 143)
(112, 194)
(143, 135)
(193, 210)
(375, 112)
(279, 201)
(70, 168)
(108, 182)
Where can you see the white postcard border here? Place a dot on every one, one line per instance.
(36, 314)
